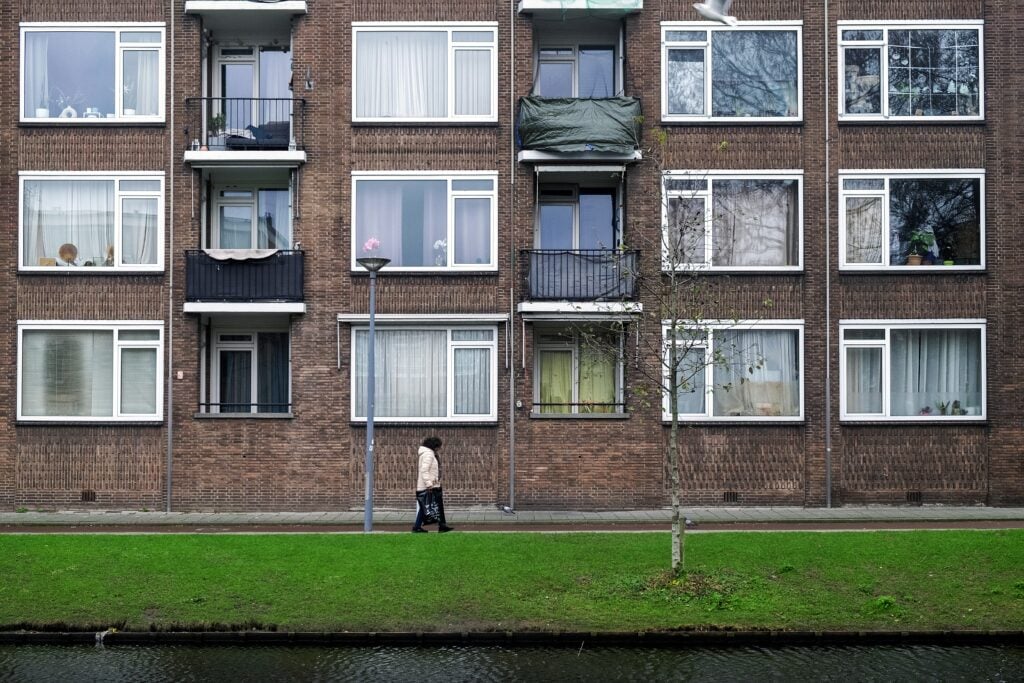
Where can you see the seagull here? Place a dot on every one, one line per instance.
(716, 10)
(507, 510)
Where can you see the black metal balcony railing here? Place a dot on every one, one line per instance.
(245, 408)
(579, 125)
(584, 408)
(246, 123)
(580, 274)
(278, 277)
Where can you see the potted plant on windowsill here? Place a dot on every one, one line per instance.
(216, 137)
(920, 242)
(946, 252)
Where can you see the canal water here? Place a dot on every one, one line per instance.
(155, 664)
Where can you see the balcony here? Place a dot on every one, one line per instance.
(565, 129)
(583, 7)
(218, 281)
(244, 15)
(579, 274)
(242, 131)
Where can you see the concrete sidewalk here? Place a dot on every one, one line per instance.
(484, 516)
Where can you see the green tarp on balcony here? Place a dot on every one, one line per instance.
(580, 125)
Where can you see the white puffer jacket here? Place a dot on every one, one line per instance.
(428, 477)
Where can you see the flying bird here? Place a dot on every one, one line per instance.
(716, 10)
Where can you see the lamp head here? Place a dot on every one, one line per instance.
(373, 263)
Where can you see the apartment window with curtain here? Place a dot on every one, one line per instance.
(893, 71)
(427, 374)
(739, 371)
(250, 372)
(88, 73)
(742, 220)
(251, 218)
(578, 372)
(912, 370)
(90, 223)
(426, 221)
(750, 72)
(900, 220)
(425, 72)
(90, 372)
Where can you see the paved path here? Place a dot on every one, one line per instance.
(495, 518)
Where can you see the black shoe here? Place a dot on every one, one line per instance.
(420, 530)
(443, 528)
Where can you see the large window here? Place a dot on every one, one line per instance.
(90, 372)
(92, 73)
(906, 72)
(737, 371)
(92, 222)
(750, 72)
(733, 221)
(586, 71)
(578, 372)
(251, 218)
(428, 374)
(425, 72)
(912, 370)
(426, 221)
(250, 372)
(892, 219)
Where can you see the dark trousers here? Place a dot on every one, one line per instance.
(439, 497)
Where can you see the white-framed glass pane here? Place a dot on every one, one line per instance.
(934, 72)
(69, 74)
(756, 373)
(597, 72)
(402, 74)
(235, 227)
(472, 231)
(754, 73)
(68, 222)
(863, 79)
(554, 79)
(556, 226)
(935, 372)
(235, 380)
(864, 380)
(140, 37)
(139, 233)
(864, 229)
(687, 236)
(555, 377)
(407, 217)
(598, 377)
(410, 373)
(472, 374)
(141, 83)
(272, 372)
(755, 222)
(472, 335)
(685, 81)
(947, 211)
(473, 82)
(472, 36)
(472, 185)
(863, 183)
(597, 220)
(138, 381)
(273, 219)
(139, 185)
(67, 373)
(691, 381)
(686, 36)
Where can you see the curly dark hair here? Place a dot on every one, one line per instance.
(432, 442)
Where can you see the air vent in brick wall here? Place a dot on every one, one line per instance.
(730, 497)
(88, 496)
(914, 497)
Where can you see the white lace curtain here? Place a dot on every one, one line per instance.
(760, 373)
(141, 82)
(79, 213)
(755, 223)
(935, 366)
(411, 373)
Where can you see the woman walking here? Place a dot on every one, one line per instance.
(429, 480)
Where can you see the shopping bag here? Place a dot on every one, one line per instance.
(428, 504)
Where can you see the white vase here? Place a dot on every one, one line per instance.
(42, 113)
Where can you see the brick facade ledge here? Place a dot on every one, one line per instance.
(579, 416)
(377, 425)
(243, 416)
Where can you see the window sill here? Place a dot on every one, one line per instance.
(435, 424)
(425, 124)
(90, 423)
(946, 421)
(86, 271)
(579, 416)
(738, 422)
(93, 123)
(934, 269)
(244, 416)
(392, 272)
(736, 121)
(912, 121)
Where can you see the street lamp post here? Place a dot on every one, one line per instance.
(372, 264)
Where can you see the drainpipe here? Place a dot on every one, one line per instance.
(828, 280)
(170, 269)
(511, 336)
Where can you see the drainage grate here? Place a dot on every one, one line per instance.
(88, 496)
(730, 497)
(914, 497)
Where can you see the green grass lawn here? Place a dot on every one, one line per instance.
(592, 581)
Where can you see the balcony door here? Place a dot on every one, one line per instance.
(576, 71)
(251, 218)
(251, 372)
(571, 218)
(253, 85)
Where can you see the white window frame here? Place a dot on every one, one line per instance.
(453, 195)
(882, 45)
(615, 191)
(574, 59)
(708, 328)
(253, 203)
(573, 346)
(708, 196)
(252, 346)
(883, 194)
(120, 49)
(452, 416)
(115, 327)
(929, 324)
(449, 27)
(119, 197)
(710, 28)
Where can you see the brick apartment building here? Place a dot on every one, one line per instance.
(187, 185)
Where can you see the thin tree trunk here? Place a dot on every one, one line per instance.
(678, 525)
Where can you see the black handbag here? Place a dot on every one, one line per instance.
(428, 504)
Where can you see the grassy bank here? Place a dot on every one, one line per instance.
(850, 581)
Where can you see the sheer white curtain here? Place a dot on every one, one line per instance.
(933, 366)
(138, 381)
(411, 373)
(138, 231)
(473, 82)
(37, 78)
(864, 380)
(755, 223)
(472, 231)
(79, 213)
(402, 74)
(759, 374)
(408, 217)
(864, 230)
(379, 215)
(142, 82)
(67, 373)
(472, 374)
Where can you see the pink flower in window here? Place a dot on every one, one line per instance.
(371, 245)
